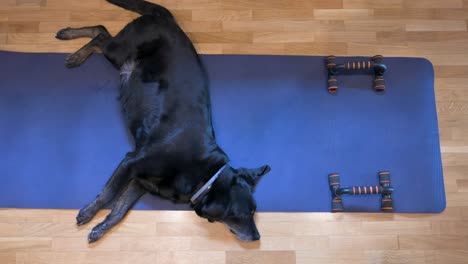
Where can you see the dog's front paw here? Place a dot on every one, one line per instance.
(97, 232)
(74, 60)
(64, 34)
(84, 216)
(95, 235)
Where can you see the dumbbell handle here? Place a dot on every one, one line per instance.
(362, 190)
(357, 66)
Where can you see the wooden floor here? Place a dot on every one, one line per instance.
(434, 29)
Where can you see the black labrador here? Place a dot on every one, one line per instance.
(165, 101)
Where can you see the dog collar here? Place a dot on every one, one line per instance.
(205, 188)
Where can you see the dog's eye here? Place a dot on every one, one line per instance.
(252, 212)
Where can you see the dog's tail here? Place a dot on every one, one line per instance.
(142, 7)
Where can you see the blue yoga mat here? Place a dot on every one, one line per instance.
(61, 133)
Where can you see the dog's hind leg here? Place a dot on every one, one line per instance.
(119, 179)
(83, 32)
(95, 45)
(100, 37)
(124, 203)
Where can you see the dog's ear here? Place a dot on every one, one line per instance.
(253, 176)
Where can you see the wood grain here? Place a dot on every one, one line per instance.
(273, 257)
(433, 29)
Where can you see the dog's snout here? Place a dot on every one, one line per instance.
(256, 236)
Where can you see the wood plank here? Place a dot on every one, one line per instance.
(8, 258)
(37, 15)
(420, 14)
(430, 37)
(9, 229)
(374, 25)
(433, 4)
(95, 257)
(369, 242)
(192, 4)
(252, 257)
(357, 4)
(176, 257)
(451, 59)
(7, 4)
(303, 14)
(209, 48)
(436, 25)
(453, 107)
(454, 159)
(71, 230)
(40, 48)
(283, 37)
(279, 26)
(19, 27)
(257, 48)
(318, 49)
(80, 244)
(19, 244)
(221, 15)
(343, 14)
(159, 243)
(444, 47)
(221, 37)
(325, 228)
(451, 72)
(457, 199)
(398, 256)
(201, 26)
(450, 256)
(459, 228)
(192, 229)
(279, 4)
(31, 3)
(346, 36)
(433, 242)
(331, 256)
(365, 49)
(85, 5)
(4, 16)
(225, 243)
(462, 184)
(396, 227)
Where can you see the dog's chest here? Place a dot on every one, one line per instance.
(177, 189)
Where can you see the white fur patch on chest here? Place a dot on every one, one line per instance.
(126, 71)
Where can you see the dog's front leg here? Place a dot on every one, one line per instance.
(128, 198)
(119, 179)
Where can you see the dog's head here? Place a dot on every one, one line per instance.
(230, 201)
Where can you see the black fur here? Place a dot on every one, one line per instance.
(165, 102)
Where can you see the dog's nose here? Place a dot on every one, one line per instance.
(256, 236)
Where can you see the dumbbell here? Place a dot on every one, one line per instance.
(374, 66)
(384, 188)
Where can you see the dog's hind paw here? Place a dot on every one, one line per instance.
(64, 34)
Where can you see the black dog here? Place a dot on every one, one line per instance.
(165, 100)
